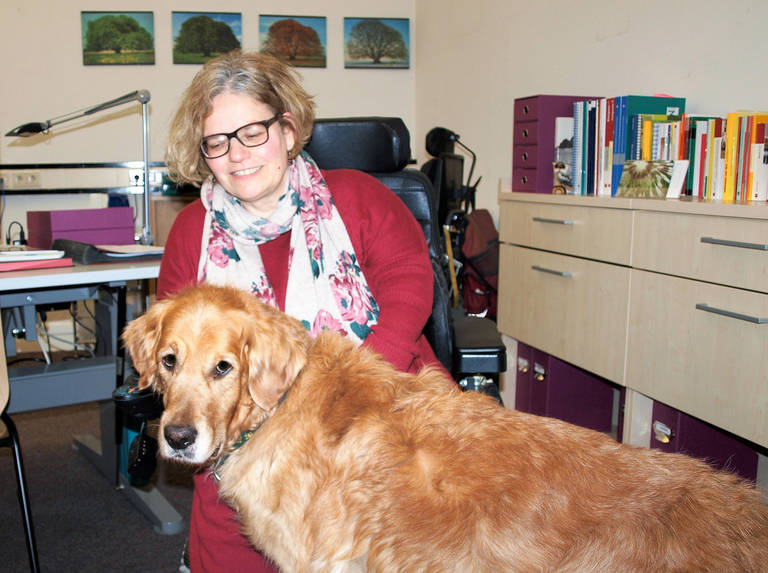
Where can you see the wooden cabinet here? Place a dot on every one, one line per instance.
(163, 211)
(667, 298)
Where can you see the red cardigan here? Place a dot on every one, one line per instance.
(390, 248)
(392, 253)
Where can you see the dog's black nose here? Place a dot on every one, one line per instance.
(180, 437)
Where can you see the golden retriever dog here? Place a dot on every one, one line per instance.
(336, 462)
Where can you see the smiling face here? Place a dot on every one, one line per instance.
(258, 176)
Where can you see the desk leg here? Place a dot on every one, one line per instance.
(104, 453)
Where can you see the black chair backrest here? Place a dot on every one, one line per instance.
(381, 147)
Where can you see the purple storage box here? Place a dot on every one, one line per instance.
(108, 226)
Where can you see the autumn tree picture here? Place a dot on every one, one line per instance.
(299, 41)
(376, 43)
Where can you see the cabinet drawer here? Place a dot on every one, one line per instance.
(526, 109)
(724, 250)
(525, 156)
(523, 179)
(526, 133)
(578, 315)
(709, 365)
(601, 234)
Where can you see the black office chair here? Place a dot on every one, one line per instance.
(465, 345)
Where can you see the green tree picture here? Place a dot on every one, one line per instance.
(200, 36)
(118, 38)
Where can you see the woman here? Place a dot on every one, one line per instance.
(336, 249)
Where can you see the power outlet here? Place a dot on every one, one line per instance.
(136, 177)
(24, 180)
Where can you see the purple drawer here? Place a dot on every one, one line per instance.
(675, 431)
(524, 179)
(525, 156)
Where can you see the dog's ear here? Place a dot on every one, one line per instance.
(140, 337)
(275, 351)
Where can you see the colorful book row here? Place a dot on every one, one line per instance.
(726, 157)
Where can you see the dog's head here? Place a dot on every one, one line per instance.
(222, 360)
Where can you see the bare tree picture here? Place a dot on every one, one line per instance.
(297, 40)
(376, 42)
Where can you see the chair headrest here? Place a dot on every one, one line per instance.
(372, 144)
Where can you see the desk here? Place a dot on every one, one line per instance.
(92, 379)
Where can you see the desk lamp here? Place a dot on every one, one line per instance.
(142, 96)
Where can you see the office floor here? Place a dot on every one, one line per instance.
(82, 523)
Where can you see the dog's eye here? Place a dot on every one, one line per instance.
(222, 368)
(169, 361)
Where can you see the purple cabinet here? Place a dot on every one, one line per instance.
(534, 139)
(675, 431)
(547, 386)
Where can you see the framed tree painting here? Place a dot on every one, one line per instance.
(297, 40)
(118, 38)
(200, 36)
(376, 42)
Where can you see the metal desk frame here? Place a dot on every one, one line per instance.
(93, 379)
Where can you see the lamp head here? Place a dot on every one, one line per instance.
(440, 140)
(28, 129)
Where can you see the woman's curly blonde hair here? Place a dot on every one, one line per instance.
(261, 76)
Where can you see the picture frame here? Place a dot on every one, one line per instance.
(117, 38)
(201, 36)
(377, 43)
(300, 41)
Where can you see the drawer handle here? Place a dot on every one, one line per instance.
(552, 271)
(661, 432)
(727, 243)
(539, 372)
(555, 221)
(754, 319)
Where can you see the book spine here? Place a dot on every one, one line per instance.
(731, 137)
(609, 125)
(577, 142)
(619, 149)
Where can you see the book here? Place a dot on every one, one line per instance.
(629, 106)
(610, 106)
(578, 131)
(652, 179)
(29, 264)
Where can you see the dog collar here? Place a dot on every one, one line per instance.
(240, 442)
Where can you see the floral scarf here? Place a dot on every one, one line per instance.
(326, 287)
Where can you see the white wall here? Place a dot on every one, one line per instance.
(42, 75)
(474, 58)
(469, 61)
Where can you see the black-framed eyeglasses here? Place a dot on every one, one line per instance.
(250, 135)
